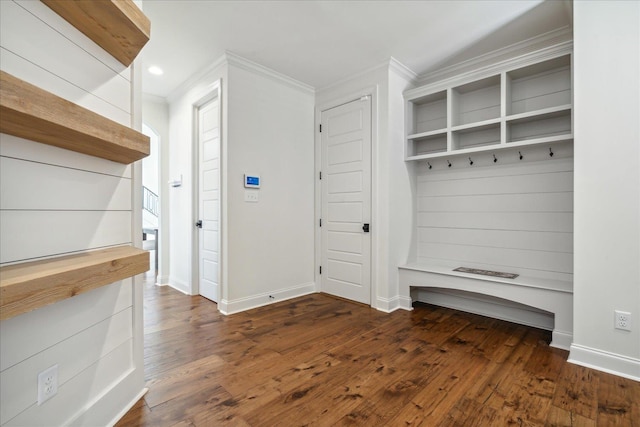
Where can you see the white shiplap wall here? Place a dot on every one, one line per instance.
(55, 202)
(513, 215)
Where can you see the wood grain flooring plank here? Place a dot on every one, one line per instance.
(322, 361)
(618, 401)
(578, 391)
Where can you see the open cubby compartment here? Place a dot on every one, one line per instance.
(427, 145)
(539, 86)
(476, 101)
(478, 136)
(429, 112)
(548, 126)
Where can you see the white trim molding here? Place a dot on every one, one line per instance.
(245, 64)
(254, 301)
(127, 408)
(402, 70)
(162, 281)
(616, 364)
(554, 37)
(388, 305)
(197, 77)
(179, 285)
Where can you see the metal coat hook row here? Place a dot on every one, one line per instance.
(550, 152)
(495, 159)
(520, 154)
(470, 161)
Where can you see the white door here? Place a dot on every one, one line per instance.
(209, 199)
(346, 200)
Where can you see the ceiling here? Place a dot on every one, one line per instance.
(321, 42)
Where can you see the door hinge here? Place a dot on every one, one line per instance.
(320, 174)
(320, 222)
(320, 269)
(320, 128)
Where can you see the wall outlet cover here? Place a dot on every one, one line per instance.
(622, 320)
(47, 384)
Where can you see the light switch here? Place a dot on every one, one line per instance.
(251, 196)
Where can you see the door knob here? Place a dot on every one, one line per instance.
(199, 223)
(365, 228)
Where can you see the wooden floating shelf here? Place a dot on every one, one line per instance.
(26, 111)
(27, 286)
(117, 26)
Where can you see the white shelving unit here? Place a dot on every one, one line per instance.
(522, 105)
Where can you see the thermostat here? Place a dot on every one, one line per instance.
(252, 181)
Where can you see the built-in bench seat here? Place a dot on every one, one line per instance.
(554, 296)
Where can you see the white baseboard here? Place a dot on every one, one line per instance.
(162, 281)
(623, 366)
(179, 285)
(561, 340)
(254, 301)
(128, 407)
(486, 306)
(388, 305)
(115, 398)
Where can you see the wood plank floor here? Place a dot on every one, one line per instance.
(322, 361)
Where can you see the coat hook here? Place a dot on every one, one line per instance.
(429, 165)
(495, 159)
(470, 161)
(449, 163)
(550, 152)
(521, 156)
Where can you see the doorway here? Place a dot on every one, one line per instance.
(345, 224)
(208, 190)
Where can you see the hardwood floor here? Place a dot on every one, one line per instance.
(317, 360)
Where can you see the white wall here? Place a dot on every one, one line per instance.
(270, 133)
(155, 114)
(56, 202)
(607, 184)
(267, 129)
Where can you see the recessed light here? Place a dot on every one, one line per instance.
(156, 70)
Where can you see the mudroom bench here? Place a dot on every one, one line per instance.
(553, 296)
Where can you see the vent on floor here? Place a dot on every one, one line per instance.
(486, 272)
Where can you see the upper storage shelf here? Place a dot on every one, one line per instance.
(530, 104)
(32, 113)
(117, 26)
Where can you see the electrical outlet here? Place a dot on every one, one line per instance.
(47, 384)
(622, 320)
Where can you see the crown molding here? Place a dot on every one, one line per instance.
(154, 98)
(554, 37)
(195, 78)
(490, 69)
(245, 64)
(390, 64)
(358, 75)
(402, 70)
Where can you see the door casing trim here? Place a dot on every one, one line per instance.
(371, 91)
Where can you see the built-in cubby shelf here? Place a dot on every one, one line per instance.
(525, 105)
(26, 111)
(27, 286)
(117, 26)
